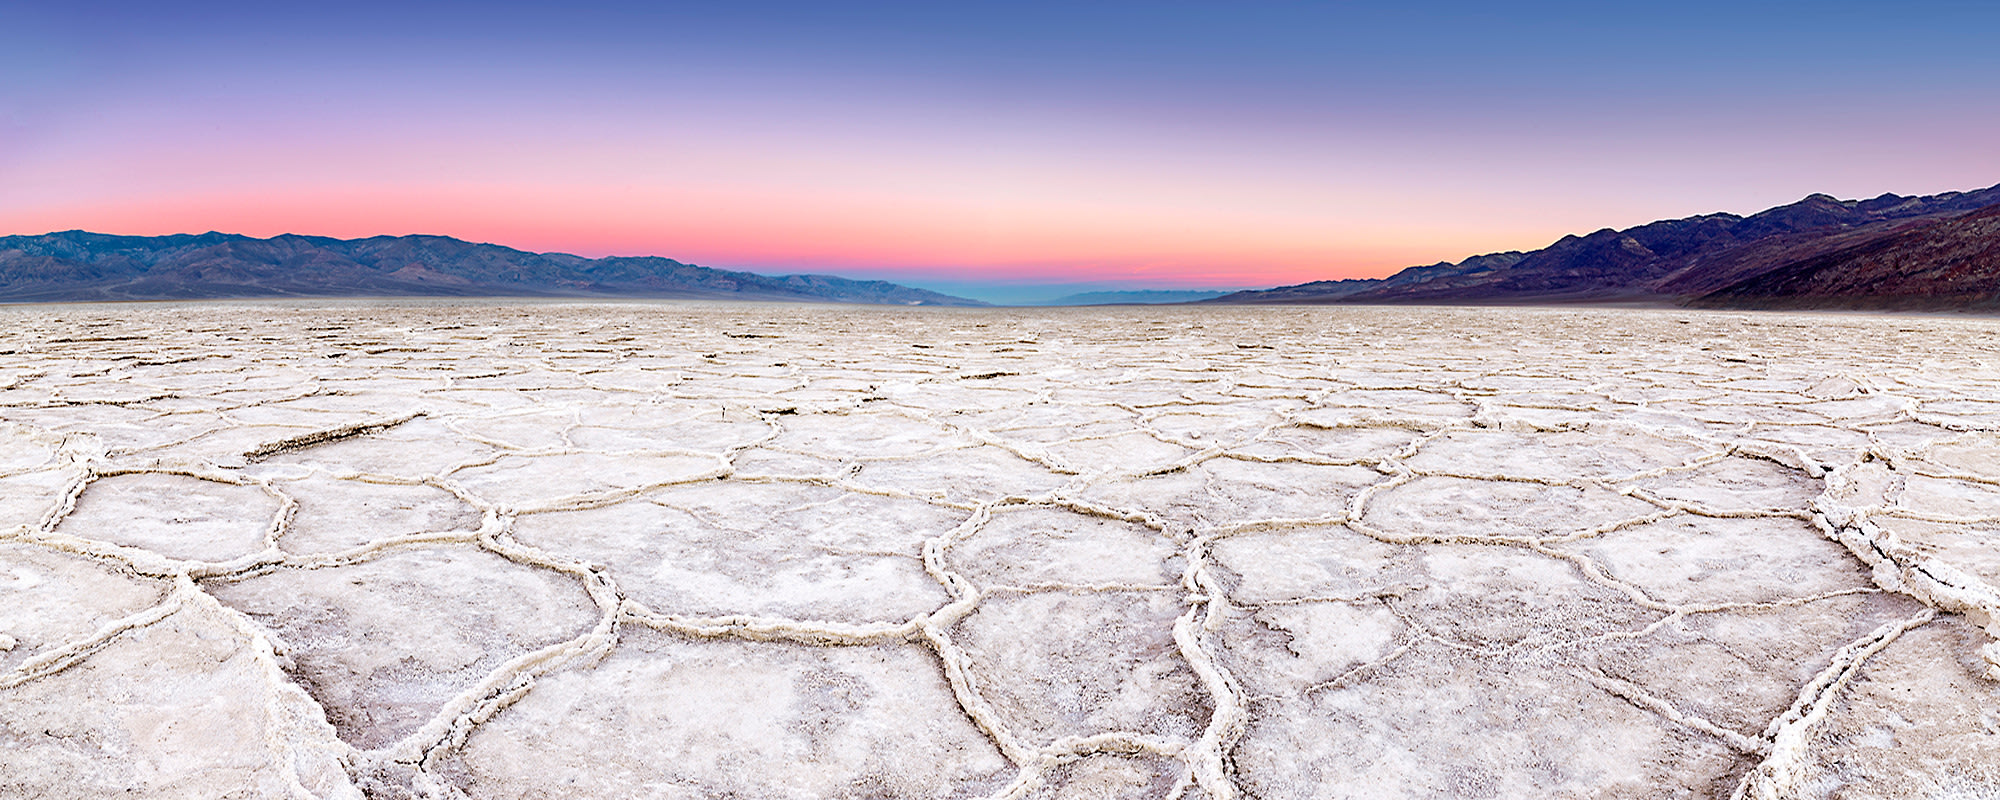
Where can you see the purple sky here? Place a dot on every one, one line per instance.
(1159, 144)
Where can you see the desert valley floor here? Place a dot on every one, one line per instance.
(658, 550)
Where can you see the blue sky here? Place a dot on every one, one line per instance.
(968, 143)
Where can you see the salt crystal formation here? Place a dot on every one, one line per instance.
(337, 550)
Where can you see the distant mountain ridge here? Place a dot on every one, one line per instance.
(1131, 297)
(82, 266)
(1890, 252)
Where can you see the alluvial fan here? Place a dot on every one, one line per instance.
(529, 550)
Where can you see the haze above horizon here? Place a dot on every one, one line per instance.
(965, 145)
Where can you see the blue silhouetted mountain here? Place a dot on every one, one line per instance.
(81, 266)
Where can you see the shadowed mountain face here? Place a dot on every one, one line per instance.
(1953, 263)
(1888, 252)
(76, 266)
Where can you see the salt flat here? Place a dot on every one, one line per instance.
(530, 550)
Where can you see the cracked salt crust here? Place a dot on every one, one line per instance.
(465, 550)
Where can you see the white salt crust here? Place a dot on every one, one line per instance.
(524, 550)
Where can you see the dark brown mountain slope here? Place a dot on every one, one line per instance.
(1953, 263)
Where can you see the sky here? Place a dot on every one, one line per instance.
(973, 146)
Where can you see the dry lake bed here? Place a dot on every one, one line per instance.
(542, 550)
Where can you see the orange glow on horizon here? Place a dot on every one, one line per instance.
(763, 233)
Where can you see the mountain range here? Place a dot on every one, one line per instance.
(81, 266)
(1934, 252)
